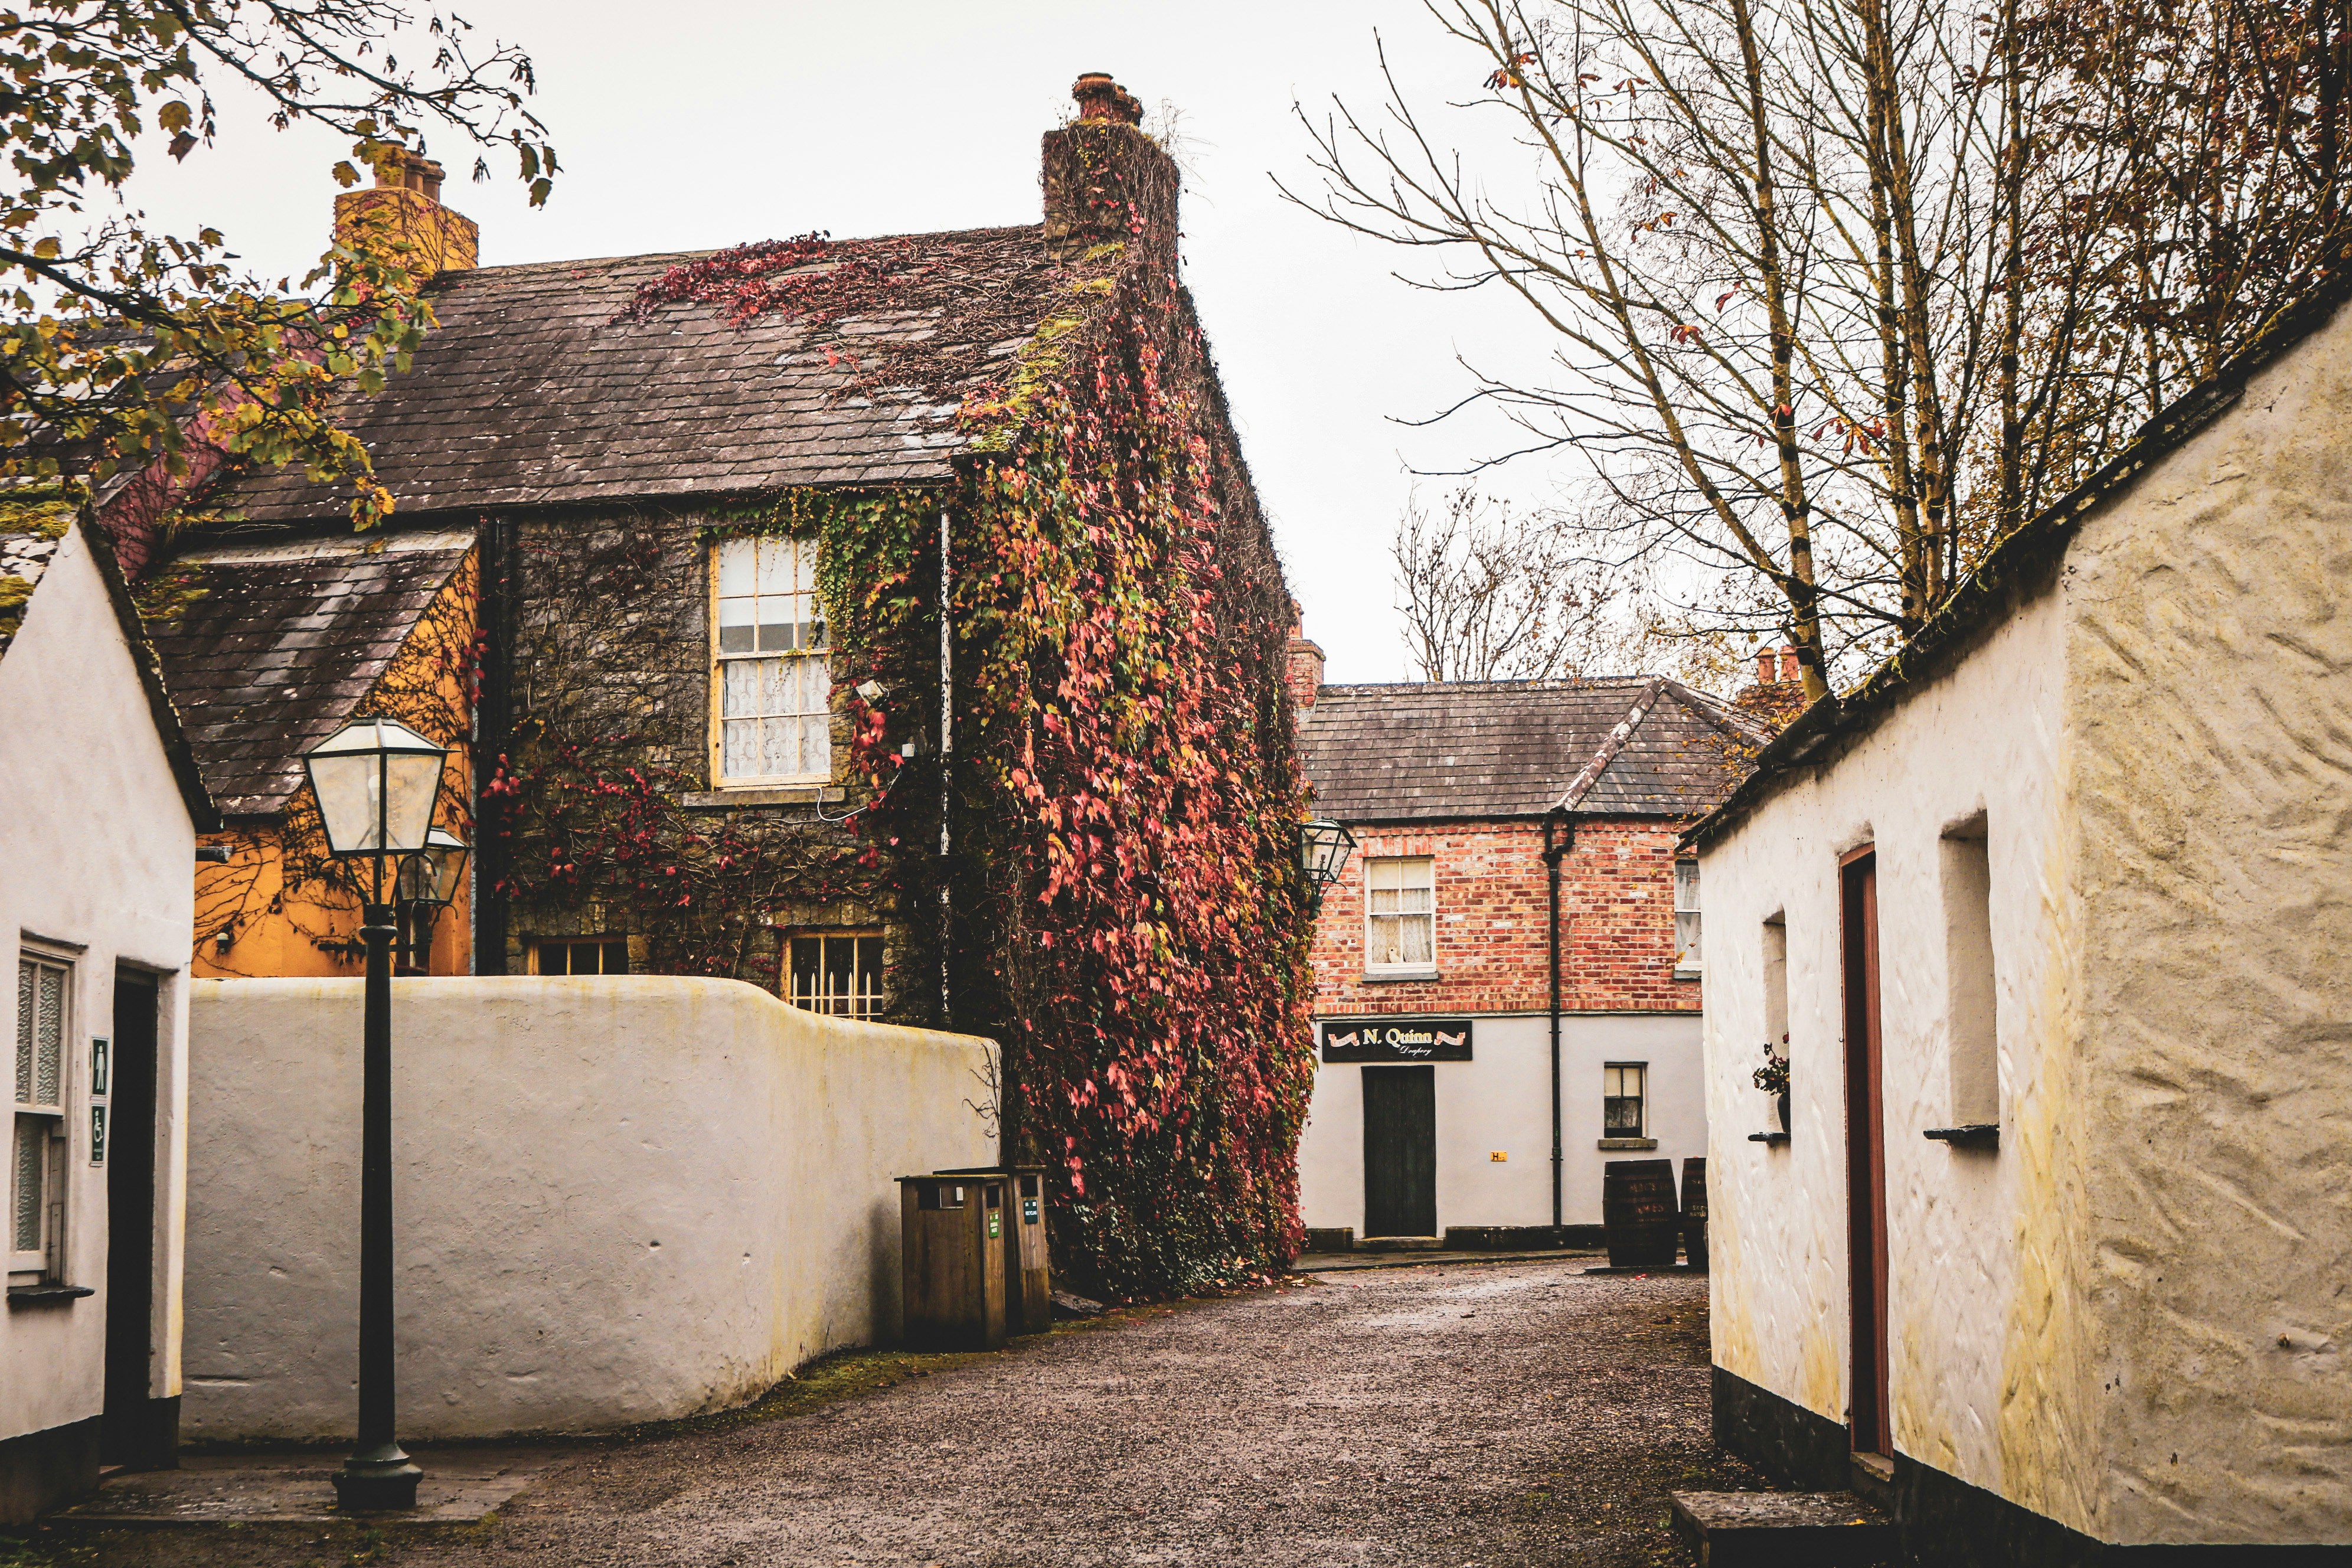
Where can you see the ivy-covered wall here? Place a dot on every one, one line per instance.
(1123, 912)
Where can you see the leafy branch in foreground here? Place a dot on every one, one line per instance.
(118, 344)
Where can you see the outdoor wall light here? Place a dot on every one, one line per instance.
(434, 873)
(1323, 848)
(376, 781)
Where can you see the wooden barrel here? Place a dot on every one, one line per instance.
(1695, 1211)
(1638, 1212)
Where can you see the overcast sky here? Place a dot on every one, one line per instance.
(707, 122)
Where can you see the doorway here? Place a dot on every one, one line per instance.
(136, 1430)
(1400, 1151)
(1865, 1159)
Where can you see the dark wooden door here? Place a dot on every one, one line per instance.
(1866, 1134)
(130, 1432)
(1400, 1151)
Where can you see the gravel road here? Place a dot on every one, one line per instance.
(1476, 1414)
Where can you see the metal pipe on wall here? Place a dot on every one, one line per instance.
(1557, 822)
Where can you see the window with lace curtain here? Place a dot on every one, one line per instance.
(771, 671)
(1401, 915)
(37, 1194)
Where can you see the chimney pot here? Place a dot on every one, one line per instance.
(1100, 97)
(1766, 661)
(1790, 668)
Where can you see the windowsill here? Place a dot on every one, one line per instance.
(1629, 1143)
(47, 1294)
(1973, 1135)
(1690, 973)
(729, 795)
(1771, 1138)
(1390, 977)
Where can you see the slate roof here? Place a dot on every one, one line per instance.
(1427, 750)
(535, 388)
(266, 652)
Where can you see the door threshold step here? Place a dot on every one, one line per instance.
(1401, 1244)
(1766, 1529)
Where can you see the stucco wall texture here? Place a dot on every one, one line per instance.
(96, 846)
(2133, 1317)
(618, 1199)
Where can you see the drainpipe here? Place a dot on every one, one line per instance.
(947, 759)
(1557, 822)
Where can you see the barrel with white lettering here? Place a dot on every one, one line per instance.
(1639, 1213)
(1695, 1211)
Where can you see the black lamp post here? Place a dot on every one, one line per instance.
(376, 781)
(1323, 846)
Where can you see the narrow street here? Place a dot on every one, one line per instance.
(1484, 1413)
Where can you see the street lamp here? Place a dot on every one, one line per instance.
(376, 781)
(1323, 846)
(427, 884)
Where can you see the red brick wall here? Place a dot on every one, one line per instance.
(1617, 918)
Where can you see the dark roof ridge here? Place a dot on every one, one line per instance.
(1561, 682)
(1613, 742)
(2033, 543)
(456, 277)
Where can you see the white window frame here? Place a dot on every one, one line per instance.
(799, 578)
(1689, 958)
(40, 1125)
(1612, 1086)
(1373, 967)
(864, 998)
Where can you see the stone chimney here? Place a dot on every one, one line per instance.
(405, 211)
(1106, 182)
(1304, 675)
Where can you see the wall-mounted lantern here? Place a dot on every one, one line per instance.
(1323, 848)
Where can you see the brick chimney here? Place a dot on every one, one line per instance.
(1779, 694)
(404, 210)
(1304, 676)
(1107, 182)
(1791, 669)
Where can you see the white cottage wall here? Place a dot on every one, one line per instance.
(99, 854)
(618, 1199)
(2209, 680)
(1969, 1275)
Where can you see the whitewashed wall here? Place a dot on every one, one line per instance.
(95, 849)
(618, 1199)
(2132, 1318)
(1500, 1101)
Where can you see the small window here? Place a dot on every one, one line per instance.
(772, 668)
(1687, 964)
(37, 1166)
(1620, 1099)
(1400, 913)
(585, 955)
(838, 973)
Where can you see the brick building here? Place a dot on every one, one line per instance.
(1434, 1107)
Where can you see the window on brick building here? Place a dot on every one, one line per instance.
(585, 955)
(37, 1166)
(1623, 1086)
(838, 973)
(771, 667)
(1686, 953)
(1399, 914)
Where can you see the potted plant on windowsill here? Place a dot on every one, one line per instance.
(1772, 1078)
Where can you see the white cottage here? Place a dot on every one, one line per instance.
(2054, 914)
(99, 806)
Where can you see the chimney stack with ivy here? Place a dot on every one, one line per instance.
(1107, 182)
(405, 211)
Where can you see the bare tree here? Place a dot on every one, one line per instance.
(1841, 291)
(1488, 597)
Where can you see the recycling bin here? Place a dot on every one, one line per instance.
(951, 1239)
(1028, 1276)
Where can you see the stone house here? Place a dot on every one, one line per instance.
(2053, 913)
(673, 537)
(1438, 928)
(100, 804)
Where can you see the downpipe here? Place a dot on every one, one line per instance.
(1559, 837)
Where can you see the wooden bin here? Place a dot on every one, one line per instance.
(1028, 1276)
(951, 1239)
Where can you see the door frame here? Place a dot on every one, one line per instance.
(1427, 1074)
(1870, 1421)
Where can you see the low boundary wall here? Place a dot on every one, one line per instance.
(617, 1198)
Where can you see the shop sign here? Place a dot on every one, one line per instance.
(1398, 1040)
